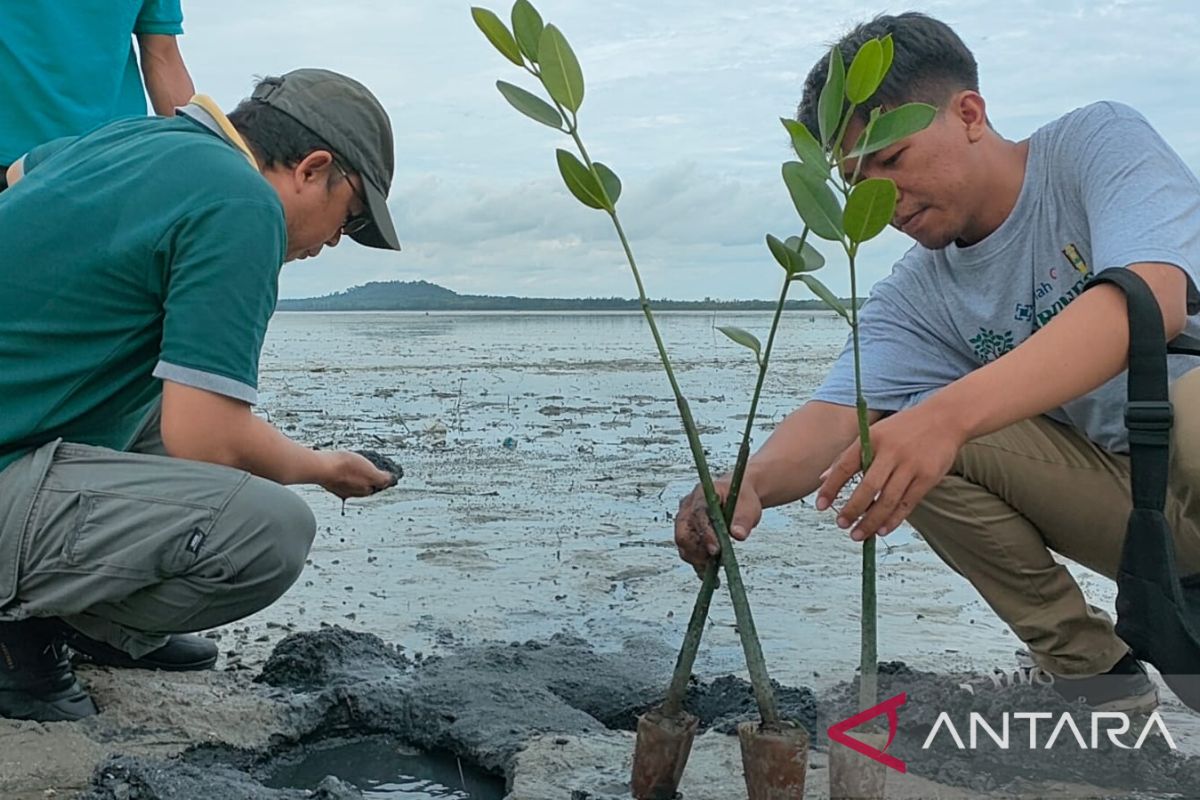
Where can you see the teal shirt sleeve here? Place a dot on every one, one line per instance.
(221, 271)
(160, 17)
(43, 152)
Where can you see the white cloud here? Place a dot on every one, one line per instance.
(683, 101)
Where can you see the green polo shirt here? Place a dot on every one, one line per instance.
(148, 249)
(67, 66)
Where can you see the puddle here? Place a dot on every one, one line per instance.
(385, 768)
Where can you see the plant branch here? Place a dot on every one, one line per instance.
(695, 629)
(868, 680)
(755, 663)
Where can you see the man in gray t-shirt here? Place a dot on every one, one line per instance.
(995, 386)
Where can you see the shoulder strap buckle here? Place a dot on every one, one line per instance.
(1149, 422)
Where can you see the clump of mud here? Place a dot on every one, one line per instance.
(382, 462)
(331, 657)
(987, 766)
(722, 704)
(727, 701)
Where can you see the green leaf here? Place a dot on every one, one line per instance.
(497, 33)
(820, 290)
(744, 338)
(869, 209)
(863, 78)
(889, 51)
(580, 180)
(610, 182)
(829, 106)
(814, 201)
(560, 69)
(527, 25)
(530, 105)
(787, 257)
(790, 256)
(812, 260)
(895, 125)
(806, 146)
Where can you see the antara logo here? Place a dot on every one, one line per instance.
(1114, 724)
(839, 731)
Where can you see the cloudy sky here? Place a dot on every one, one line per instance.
(683, 101)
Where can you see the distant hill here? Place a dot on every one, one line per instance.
(425, 296)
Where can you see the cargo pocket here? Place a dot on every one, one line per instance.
(133, 536)
(20, 484)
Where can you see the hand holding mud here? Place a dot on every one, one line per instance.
(350, 474)
(694, 535)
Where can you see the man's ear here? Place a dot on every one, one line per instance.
(313, 167)
(971, 110)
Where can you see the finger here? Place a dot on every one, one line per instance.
(712, 547)
(873, 482)
(745, 519)
(892, 501)
(896, 520)
(840, 471)
(707, 534)
(689, 541)
(683, 534)
(912, 498)
(697, 559)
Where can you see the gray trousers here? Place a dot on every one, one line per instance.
(131, 546)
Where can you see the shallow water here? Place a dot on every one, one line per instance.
(385, 769)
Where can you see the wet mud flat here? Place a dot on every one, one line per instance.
(550, 719)
(543, 465)
(481, 705)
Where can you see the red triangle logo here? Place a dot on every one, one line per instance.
(838, 732)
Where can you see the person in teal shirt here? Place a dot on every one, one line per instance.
(140, 497)
(66, 67)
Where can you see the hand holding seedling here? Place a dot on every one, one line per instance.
(914, 449)
(694, 535)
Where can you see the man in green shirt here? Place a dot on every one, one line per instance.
(140, 498)
(67, 67)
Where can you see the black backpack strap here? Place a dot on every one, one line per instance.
(1185, 345)
(1148, 414)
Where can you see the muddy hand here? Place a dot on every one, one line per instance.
(694, 535)
(351, 475)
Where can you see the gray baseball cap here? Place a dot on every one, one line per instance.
(345, 114)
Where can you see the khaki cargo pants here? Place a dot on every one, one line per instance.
(131, 546)
(1037, 486)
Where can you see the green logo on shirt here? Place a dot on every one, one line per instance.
(990, 345)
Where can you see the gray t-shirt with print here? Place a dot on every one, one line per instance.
(1102, 189)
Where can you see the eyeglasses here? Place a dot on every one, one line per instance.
(354, 222)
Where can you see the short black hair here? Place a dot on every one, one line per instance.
(276, 137)
(930, 64)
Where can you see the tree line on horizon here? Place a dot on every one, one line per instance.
(426, 296)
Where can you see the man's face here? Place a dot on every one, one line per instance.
(932, 169)
(319, 198)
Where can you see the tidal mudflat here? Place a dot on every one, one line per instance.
(543, 463)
